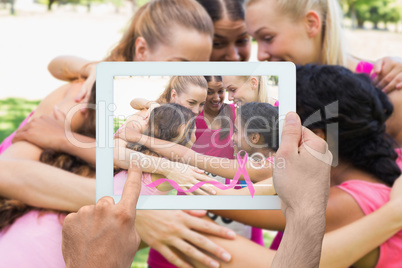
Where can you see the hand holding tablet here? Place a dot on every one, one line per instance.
(302, 184)
(104, 235)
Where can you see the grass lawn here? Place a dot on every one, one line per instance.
(14, 110)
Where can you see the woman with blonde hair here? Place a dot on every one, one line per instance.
(315, 36)
(244, 89)
(310, 31)
(188, 91)
(161, 30)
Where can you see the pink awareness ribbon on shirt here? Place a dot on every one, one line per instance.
(241, 170)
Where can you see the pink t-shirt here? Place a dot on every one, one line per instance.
(121, 177)
(208, 143)
(362, 67)
(278, 238)
(370, 197)
(33, 240)
(207, 140)
(399, 159)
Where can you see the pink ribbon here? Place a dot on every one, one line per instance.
(241, 170)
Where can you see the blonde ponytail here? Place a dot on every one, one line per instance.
(333, 48)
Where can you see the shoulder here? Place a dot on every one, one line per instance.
(342, 209)
(55, 98)
(137, 121)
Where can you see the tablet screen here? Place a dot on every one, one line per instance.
(223, 125)
(218, 122)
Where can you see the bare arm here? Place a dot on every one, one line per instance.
(304, 230)
(140, 103)
(83, 147)
(186, 176)
(264, 187)
(223, 167)
(44, 186)
(37, 184)
(341, 248)
(68, 68)
(57, 138)
(346, 245)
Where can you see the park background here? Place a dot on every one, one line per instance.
(33, 32)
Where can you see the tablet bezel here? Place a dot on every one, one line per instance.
(106, 71)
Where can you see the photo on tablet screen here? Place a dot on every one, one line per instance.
(210, 135)
(204, 133)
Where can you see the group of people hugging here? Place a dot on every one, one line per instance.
(44, 176)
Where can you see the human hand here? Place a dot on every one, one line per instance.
(301, 179)
(104, 235)
(301, 171)
(53, 126)
(152, 105)
(165, 230)
(187, 176)
(129, 134)
(90, 75)
(389, 73)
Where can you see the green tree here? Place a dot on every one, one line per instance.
(357, 10)
(392, 14)
(374, 11)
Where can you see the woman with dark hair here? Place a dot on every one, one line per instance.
(329, 95)
(170, 122)
(231, 41)
(215, 122)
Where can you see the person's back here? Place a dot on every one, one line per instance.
(33, 240)
(353, 122)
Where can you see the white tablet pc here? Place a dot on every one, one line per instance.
(120, 82)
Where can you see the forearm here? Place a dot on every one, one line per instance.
(224, 167)
(68, 68)
(244, 252)
(44, 186)
(80, 146)
(149, 164)
(264, 187)
(301, 242)
(264, 219)
(140, 103)
(345, 246)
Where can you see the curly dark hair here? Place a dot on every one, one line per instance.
(262, 118)
(360, 110)
(164, 123)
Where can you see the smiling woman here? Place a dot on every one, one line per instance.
(243, 89)
(231, 40)
(302, 31)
